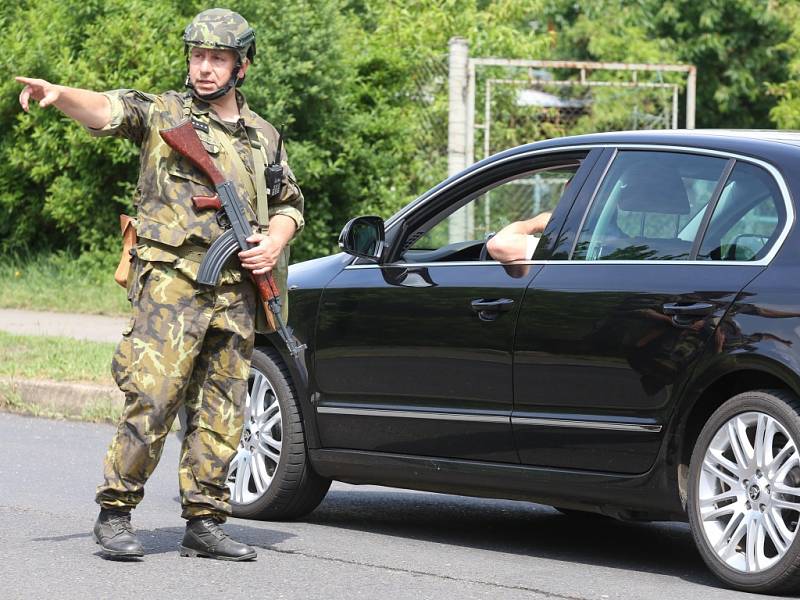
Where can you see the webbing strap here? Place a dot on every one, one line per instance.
(259, 147)
(225, 141)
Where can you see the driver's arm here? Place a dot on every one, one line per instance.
(512, 241)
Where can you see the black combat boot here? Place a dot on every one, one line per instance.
(205, 537)
(114, 533)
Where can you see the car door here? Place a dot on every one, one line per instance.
(414, 356)
(609, 328)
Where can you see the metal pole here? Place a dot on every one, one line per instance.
(487, 120)
(675, 107)
(470, 150)
(691, 95)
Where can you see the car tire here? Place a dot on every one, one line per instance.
(270, 477)
(744, 492)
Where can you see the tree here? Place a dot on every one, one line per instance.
(60, 189)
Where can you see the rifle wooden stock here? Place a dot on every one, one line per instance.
(183, 139)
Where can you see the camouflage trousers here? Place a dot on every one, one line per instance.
(185, 346)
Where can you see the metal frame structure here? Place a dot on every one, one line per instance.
(462, 90)
(462, 86)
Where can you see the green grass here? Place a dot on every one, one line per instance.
(55, 358)
(105, 410)
(62, 282)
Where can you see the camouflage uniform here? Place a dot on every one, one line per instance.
(186, 343)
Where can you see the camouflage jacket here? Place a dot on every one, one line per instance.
(169, 228)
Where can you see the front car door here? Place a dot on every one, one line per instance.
(414, 356)
(646, 265)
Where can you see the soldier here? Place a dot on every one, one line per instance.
(187, 344)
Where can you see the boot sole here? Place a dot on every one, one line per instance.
(116, 553)
(191, 552)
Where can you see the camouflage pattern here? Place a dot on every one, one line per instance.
(181, 343)
(187, 345)
(167, 223)
(221, 28)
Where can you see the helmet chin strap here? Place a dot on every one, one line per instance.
(233, 81)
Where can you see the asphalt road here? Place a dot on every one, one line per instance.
(362, 542)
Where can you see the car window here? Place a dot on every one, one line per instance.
(517, 199)
(748, 217)
(647, 205)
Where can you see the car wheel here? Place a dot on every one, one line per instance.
(744, 492)
(270, 476)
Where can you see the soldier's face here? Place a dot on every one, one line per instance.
(210, 69)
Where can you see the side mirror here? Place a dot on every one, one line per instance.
(363, 237)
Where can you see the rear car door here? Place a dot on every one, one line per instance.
(414, 356)
(649, 261)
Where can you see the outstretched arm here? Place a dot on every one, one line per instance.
(91, 109)
(511, 242)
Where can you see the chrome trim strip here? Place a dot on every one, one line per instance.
(574, 263)
(410, 414)
(790, 213)
(416, 414)
(608, 425)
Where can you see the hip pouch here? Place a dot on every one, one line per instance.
(128, 226)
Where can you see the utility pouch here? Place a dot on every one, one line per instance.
(127, 225)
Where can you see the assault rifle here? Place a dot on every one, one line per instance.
(183, 139)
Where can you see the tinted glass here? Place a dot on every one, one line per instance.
(748, 217)
(648, 207)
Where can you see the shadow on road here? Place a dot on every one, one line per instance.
(519, 528)
(168, 539)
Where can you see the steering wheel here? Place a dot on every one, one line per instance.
(484, 255)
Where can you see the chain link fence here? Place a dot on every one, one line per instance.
(494, 104)
(507, 103)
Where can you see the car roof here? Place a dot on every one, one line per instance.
(703, 136)
(760, 143)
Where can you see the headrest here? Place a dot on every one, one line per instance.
(653, 188)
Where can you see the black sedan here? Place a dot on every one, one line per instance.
(644, 364)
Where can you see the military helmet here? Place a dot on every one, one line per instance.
(221, 28)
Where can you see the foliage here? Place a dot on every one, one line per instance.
(737, 46)
(63, 282)
(361, 86)
(401, 98)
(786, 112)
(62, 190)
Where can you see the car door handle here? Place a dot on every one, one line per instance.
(683, 310)
(498, 305)
(489, 310)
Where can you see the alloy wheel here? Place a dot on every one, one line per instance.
(749, 492)
(253, 467)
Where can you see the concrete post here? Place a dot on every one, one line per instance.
(691, 95)
(460, 223)
(457, 123)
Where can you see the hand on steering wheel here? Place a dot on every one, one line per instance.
(484, 255)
